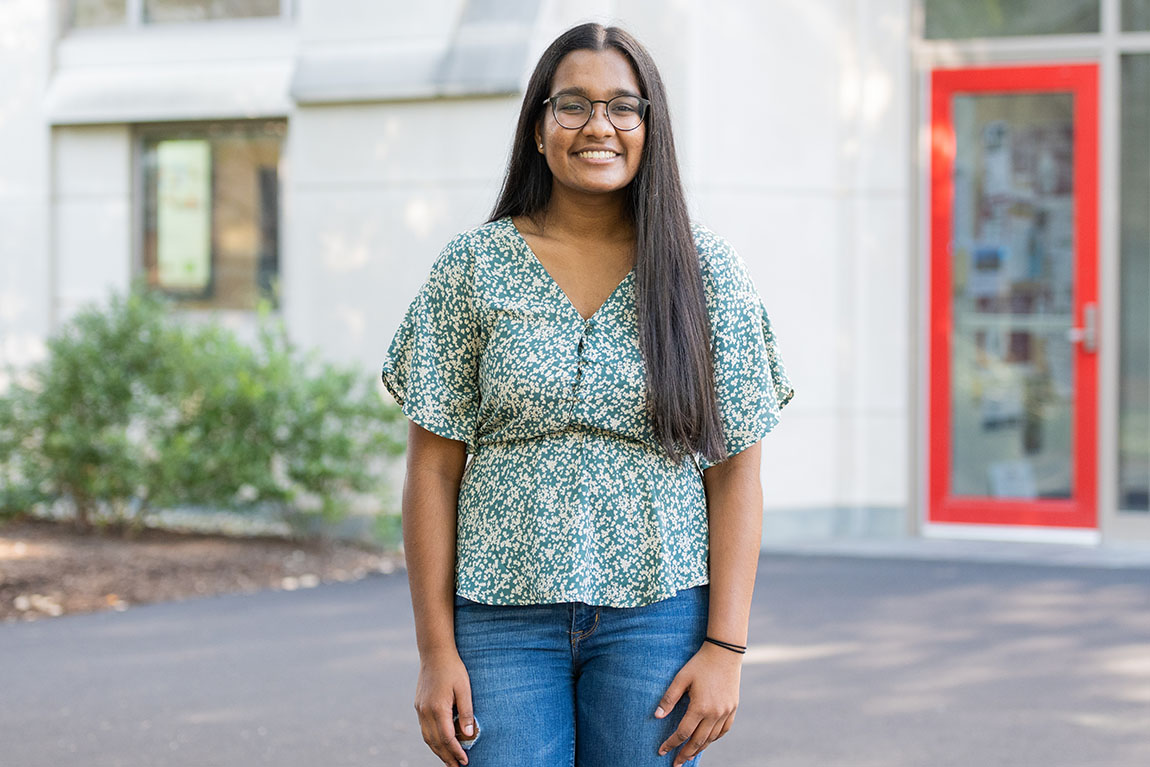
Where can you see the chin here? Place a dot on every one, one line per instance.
(602, 187)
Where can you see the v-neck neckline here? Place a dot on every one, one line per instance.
(558, 288)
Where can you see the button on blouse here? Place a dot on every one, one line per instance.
(568, 495)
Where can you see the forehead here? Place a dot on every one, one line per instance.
(596, 74)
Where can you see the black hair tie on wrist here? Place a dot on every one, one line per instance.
(741, 649)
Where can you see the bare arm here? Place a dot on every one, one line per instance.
(430, 507)
(734, 508)
(430, 493)
(735, 513)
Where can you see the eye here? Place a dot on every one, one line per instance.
(572, 105)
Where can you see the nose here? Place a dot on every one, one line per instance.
(598, 124)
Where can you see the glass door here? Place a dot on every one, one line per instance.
(1013, 342)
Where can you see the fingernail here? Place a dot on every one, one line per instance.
(468, 728)
(659, 712)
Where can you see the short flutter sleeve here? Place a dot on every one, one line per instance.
(432, 365)
(750, 383)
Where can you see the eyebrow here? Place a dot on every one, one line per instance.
(576, 90)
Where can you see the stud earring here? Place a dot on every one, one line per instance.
(540, 147)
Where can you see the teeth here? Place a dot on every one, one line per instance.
(597, 155)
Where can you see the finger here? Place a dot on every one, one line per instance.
(448, 749)
(671, 696)
(717, 731)
(688, 751)
(466, 712)
(429, 729)
(699, 740)
(683, 732)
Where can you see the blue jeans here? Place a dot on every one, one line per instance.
(576, 685)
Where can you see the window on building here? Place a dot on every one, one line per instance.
(1134, 351)
(1002, 18)
(1136, 15)
(211, 212)
(162, 11)
(80, 14)
(96, 13)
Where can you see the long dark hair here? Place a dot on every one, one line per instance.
(674, 330)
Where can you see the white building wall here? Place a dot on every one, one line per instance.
(374, 188)
(808, 176)
(375, 191)
(26, 32)
(770, 181)
(92, 221)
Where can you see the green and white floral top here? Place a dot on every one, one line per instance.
(568, 495)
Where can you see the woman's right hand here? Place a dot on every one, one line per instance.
(444, 684)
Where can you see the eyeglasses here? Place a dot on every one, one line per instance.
(573, 111)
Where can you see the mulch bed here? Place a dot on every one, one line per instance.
(49, 568)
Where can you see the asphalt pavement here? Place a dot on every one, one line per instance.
(857, 659)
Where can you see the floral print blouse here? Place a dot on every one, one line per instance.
(568, 495)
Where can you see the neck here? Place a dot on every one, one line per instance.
(598, 216)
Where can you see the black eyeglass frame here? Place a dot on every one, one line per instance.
(644, 106)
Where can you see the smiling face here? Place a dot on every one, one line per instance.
(597, 158)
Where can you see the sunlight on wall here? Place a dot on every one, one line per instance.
(384, 144)
(421, 216)
(347, 252)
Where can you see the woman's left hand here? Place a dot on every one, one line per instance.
(711, 677)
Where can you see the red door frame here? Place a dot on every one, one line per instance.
(1081, 80)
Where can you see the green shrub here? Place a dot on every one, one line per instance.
(18, 491)
(133, 411)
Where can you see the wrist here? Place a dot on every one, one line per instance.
(721, 654)
(438, 652)
(728, 634)
(733, 647)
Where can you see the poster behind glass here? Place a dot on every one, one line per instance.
(184, 215)
(1012, 363)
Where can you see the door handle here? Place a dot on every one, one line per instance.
(1087, 335)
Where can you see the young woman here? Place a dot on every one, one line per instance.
(582, 586)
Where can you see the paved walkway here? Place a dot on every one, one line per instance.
(861, 659)
(1051, 554)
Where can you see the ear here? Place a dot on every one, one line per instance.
(538, 135)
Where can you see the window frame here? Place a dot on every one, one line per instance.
(140, 134)
(919, 28)
(134, 19)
